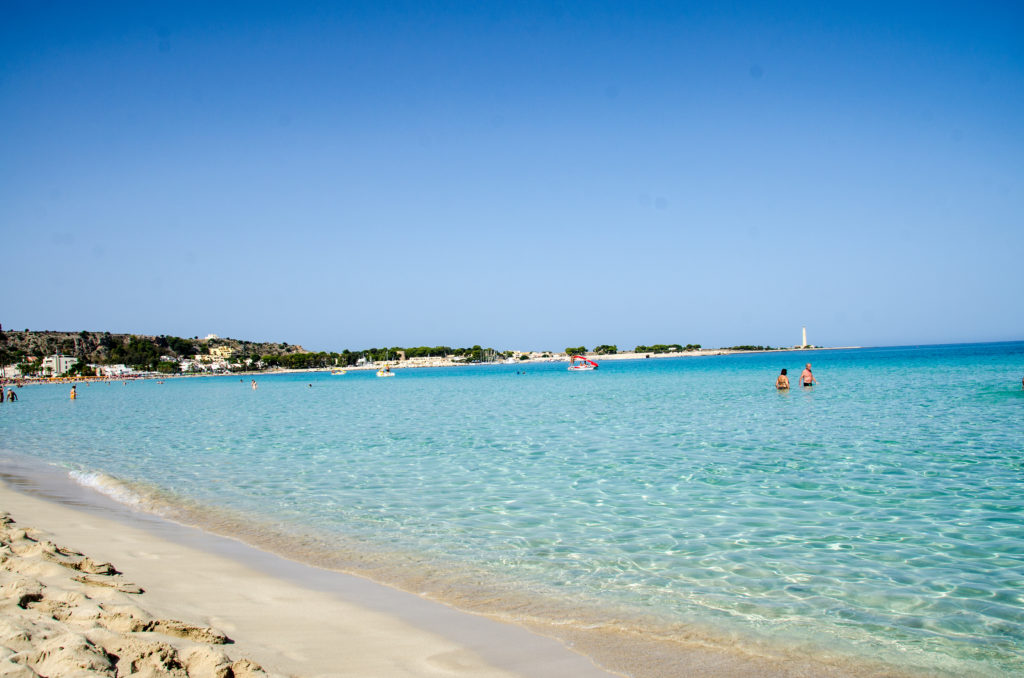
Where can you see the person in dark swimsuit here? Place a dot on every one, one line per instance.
(806, 378)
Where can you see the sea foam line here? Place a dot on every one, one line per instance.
(110, 487)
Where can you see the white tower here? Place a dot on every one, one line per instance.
(804, 345)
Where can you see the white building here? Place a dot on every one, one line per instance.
(114, 370)
(56, 365)
(219, 366)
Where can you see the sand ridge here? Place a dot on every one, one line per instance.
(64, 615)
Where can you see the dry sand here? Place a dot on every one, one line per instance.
(178, 610)
(64, 614)
(190, 605)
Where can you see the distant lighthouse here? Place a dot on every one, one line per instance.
(804, 345)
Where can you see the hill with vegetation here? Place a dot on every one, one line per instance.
(144, 352)
(163, 353)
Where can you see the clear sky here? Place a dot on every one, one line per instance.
(520, 175)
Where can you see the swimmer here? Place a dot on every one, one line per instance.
(782, 383)
(11, 396)
(74, 391)
(254, 386)
(806, 378)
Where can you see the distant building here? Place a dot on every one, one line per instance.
(204, 363)
(56, 365)
(222, 352)
(114, 370)
(210, 336)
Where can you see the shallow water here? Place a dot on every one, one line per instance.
(878, 514)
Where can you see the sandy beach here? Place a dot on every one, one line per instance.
(91, 587)
(88, 594)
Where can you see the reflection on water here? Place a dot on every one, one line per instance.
(878, 513)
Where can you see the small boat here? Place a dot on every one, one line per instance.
(385, 372)
(337, 371)
(580, 363)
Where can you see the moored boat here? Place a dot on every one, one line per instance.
(579, 363)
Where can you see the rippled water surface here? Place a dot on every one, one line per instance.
(880, 511)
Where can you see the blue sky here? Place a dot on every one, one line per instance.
(520, 175)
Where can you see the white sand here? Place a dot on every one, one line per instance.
(284, 618)
(332, 625)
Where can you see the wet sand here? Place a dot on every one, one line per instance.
(181, 594)
(283, 617)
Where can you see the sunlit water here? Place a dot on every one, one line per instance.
(879, 512)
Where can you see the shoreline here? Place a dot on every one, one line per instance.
(417, 363)
(311, 607)
(292, 619)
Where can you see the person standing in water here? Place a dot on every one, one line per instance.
(806, 378)
(782, 383)
(74, 391)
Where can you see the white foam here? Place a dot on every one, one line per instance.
(108, 486)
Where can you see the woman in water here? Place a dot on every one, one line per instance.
(782, 383)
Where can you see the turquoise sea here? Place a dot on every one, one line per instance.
(879, 515)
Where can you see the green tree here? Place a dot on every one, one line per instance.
(659, 348)
(82, 367)
(576, 350)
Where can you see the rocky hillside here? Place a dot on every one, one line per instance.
(106, 348)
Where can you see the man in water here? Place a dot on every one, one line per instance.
(74, 391)
(806, 378)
